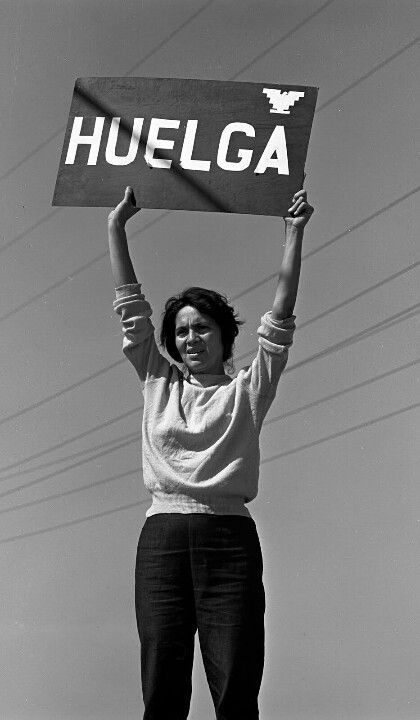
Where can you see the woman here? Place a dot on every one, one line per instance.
(199, 565)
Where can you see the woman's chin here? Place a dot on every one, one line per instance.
(197, 368)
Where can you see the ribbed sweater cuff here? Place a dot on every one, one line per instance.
(123, 291)
(276, 334)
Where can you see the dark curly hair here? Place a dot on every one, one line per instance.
(208, 302)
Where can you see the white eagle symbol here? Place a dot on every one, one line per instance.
(282, 101)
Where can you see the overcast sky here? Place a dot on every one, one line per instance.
(337, 511)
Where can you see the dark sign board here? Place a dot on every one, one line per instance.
(185, 144)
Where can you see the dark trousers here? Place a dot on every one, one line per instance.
(200, 572)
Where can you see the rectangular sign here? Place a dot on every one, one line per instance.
(207, 145)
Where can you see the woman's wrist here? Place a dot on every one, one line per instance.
(115, 223)
(294, 231)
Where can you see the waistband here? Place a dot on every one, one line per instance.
(172, 503)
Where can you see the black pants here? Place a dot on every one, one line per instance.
(200, 572)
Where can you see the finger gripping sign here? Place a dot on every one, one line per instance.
(204, 145)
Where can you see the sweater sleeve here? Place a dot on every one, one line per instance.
(275, 337)
(139, 344)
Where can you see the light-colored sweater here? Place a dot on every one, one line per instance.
(201, 433)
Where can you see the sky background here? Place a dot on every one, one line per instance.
(337, 512)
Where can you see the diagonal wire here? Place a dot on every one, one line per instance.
(51, 214)
(173, 34)
(247, 290)
(80, 453)
(413, 309)
(284, 37)
(362, 335)
(344, 91)
(333, 240)
(148, 55)
(333, 436)
(54, 474)
(126, 442)
(360, 294)
(362, 222)
(349, 300)
(134, 436)
(65, 493)
(375, 69)
(88, 518)
(58, 394)
(313, 252)
(71, 523)
(322, 440)
(295, 411)
(244, 292)
(388, 322)
(30, 229)
(80, 436)
(159, 47)
(344, 391)
(76, 272)
(34, 456)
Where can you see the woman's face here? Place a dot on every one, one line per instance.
(199, 342)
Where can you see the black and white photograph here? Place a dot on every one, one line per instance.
(209, 308)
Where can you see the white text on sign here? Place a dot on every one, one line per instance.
(274, 154)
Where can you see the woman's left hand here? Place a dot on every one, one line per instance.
(300, 210)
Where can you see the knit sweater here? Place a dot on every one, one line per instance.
(201, 432)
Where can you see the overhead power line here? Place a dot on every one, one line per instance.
(65, 493)
(340, 393)
(359, 224)
(244, 292)
(281, 39)
(333, 436)
(405, 314)
(357, 337)
(71, 523)
(35, 226)
(142, 60)
(156, 49)
(72, 439)
(54, 474)
(58, 394)
(375, 69)
(389, 321)
(383, 324)
(88, 518)
(80, 453)
(111, 421)
(302, 408)
(169, 37)
(74, 273)
(333, 240)
(343, 92)
(156, 219)
(358, 295)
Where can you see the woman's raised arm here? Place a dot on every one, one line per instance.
(284, 301)
(121, 265)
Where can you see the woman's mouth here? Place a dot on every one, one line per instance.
(194, 353)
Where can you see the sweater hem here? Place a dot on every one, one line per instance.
(189, 505)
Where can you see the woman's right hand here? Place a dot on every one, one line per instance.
(125, 209)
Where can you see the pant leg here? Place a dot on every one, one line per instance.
(230, 605)
(165, 616)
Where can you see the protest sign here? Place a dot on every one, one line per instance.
(185, 144)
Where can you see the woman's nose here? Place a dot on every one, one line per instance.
(191, 334)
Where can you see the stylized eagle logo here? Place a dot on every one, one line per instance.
(282, 101)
